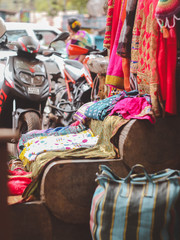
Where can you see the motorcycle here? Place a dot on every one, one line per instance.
(71, 86)
(24, 86)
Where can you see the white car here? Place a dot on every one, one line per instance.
(44, 33)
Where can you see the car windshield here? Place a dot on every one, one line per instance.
(45, 36)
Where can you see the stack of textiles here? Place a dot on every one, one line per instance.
(42, 144)
(49, 132)
(94, 140)
(105, 148)
(125, 104)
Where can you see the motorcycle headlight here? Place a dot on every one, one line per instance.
(29, 79)
(26, 78)
(38, 80)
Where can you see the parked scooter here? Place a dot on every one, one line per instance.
(95, 62)
(24, 88)
(71, 86)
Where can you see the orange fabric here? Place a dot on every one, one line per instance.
(126, 71)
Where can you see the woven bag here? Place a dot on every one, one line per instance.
(138, 207)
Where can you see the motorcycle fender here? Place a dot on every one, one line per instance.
(19, 112)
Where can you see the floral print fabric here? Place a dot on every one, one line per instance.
(39, 145)
(49, 132)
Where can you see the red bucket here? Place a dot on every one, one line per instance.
(77, 50)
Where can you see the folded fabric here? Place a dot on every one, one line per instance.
(51, 132)
(39, 145)
(76, 123)
(137, 107)
(79, 115)
(123, 94)
(17, 185)
(18, 172)
(98, 110)
(102, 108)
(36, 131)
(107, 131)
(18, 180)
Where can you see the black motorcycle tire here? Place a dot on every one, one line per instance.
(29, 121)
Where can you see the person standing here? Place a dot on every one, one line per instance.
(74, 28)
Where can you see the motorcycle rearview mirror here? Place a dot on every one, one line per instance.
(61, 37)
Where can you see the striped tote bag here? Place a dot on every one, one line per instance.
(138, 207)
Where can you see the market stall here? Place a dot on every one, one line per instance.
(137, 123)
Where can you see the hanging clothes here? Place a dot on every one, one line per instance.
(124, 45)
(167, 13)
(110, 25)
(145, 56)
(167, 70)
(154, 59)
(115, 76)
(109, 18)
(144, 52)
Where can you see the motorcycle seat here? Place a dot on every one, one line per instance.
(74, 63)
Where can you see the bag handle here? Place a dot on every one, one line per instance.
(132, 170)
(125, 189)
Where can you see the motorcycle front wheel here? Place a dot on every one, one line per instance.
(29, 121)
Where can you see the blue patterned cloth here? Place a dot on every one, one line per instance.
(102, 108)
(99, 109)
